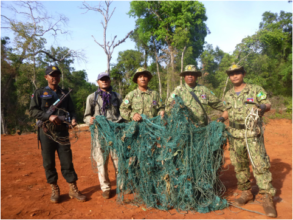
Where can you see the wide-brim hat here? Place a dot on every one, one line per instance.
(139, 71)
(191, 69)
(235, 68)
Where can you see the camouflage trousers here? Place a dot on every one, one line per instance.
(102, 165)
(260, 164)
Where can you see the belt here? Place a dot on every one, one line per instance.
(237, 126)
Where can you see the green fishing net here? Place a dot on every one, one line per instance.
(167, 163)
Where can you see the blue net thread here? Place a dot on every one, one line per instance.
(169, 163)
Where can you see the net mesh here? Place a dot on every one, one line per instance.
(167, 163)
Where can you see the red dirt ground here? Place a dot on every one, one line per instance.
(25, 193)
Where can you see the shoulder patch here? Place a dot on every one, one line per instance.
(33, 95)
(212, 93)
(46, 95)
(224, 102)
(126, 101)
(173, 95)
(261, 95)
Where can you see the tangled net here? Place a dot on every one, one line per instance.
(56, 132)
(168, 163)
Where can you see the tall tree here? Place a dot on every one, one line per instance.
(106, 45)
(169, 16)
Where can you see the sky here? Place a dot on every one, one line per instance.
(228, 21)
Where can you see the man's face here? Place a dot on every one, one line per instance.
(104, 82)
(53, 79)
(190, 79)
(143, 79)
(236, 77)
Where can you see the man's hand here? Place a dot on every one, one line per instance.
(73, 123)
(55, 119)
(162, 113)
(92, 120)
(261, 109)
(221, 119)
(137, 117)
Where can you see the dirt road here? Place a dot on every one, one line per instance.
(25, 193)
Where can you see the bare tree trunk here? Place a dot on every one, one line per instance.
(3, 126)
(34, 72)
(168, 84)
(159, 77)
(225, 88)
(107, 46)
(108, 63)
(145, 58)
(172, 77)
(182, 57)
(119, 88)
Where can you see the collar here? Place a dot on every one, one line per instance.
(108, 91)
(189, 88)
(246, 89)
(141, 92)
(58, 89)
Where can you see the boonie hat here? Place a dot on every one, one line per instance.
(139, 71)
(235, 68)
(191, 69)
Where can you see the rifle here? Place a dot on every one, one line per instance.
(53, 108)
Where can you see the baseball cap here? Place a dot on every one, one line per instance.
(52, 69)
(103, 74)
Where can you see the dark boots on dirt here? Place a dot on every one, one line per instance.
(55, 193)
(245, 197)
(74, 193)
(268, 206)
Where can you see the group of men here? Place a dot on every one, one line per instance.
(145, 101)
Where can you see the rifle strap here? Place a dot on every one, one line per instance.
(197, 100)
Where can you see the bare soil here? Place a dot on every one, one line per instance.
(25, 193)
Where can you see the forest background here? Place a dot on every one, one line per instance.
(167, 34)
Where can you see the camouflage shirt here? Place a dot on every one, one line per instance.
(205, 96)
(238, 110)
(137, 101)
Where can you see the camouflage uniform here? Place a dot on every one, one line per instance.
(205, 96)
(112, 114)
(137, 101)
(238, 111)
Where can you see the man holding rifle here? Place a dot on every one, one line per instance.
(53, 105)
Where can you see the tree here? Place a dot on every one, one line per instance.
(7, 72)
(128, 62)
(107, 46)
(162, 19)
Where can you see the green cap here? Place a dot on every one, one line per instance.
(191, 69)
(235, 68)
(139, 71)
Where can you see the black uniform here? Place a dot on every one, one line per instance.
(41, 100)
